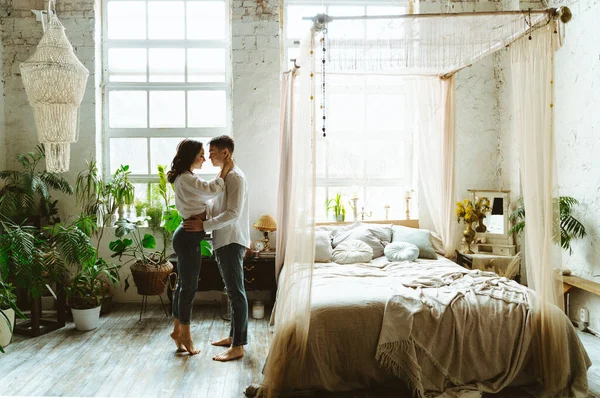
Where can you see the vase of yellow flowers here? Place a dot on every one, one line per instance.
(465, 211)
(482, 206)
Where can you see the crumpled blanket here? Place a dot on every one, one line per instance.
(449, 330)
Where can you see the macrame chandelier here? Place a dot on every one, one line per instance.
(55, 81)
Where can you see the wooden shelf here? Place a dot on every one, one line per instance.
(570, 281)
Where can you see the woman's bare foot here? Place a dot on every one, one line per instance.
(176, 337)
(230, 354)
(226, 342)
(188, 346)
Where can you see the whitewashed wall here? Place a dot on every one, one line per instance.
(577, 127)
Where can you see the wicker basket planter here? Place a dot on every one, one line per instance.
(151, 280)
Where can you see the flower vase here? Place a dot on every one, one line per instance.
(481, 228)
(469, 234)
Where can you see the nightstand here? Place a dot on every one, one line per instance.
(259, 274)
(487, 262)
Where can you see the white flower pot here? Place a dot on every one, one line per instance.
(86, 319)
(5, 331)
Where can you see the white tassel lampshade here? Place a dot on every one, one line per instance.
(55, 81)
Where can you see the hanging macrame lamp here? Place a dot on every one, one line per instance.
(55, 81)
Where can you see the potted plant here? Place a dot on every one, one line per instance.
(121, 190)
(150, 269)
(8, 310)
(25, 196)
(569, 227)
(87, 290)
(336, 204)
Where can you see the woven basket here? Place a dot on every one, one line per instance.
(151, 280)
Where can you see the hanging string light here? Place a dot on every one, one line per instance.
(323, 62)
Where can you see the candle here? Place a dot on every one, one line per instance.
(258, 310)
(407, 194)
(355, 192)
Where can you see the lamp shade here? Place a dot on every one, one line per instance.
(265, 223)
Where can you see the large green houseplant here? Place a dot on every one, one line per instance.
(337, 205)
(8, 311)
(569, 227)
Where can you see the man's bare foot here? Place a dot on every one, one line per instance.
(188, 346)
(175, 337)
(226, 342)
(230, 354)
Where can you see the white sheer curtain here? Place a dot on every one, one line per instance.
(286, 159)
(292, 317)
(435, 133)
(532, 82)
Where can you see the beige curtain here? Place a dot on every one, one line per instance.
(292, 317)
(435, 134)
(532, 82)
(286, 155)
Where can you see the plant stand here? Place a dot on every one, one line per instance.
(144, 307)
(36, 325)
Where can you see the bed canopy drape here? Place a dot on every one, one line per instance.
(428, 49)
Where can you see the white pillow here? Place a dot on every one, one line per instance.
(401, 251)
(351, 252)
(376, 236)
(323, 249)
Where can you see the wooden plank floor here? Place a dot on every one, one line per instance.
(127, 358)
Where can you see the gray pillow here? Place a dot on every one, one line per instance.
(351, 252)
(418, 237)
(372, 236)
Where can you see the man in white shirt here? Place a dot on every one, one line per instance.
(230, 226)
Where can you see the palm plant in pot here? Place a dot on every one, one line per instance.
(8, 311)
(87, 290)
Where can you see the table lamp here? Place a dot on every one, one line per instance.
(266, 224)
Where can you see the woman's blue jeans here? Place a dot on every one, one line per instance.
(231, 264)
(189, 260)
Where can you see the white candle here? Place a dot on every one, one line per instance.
(355, 192)
(407, 195)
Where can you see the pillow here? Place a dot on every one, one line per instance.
(323, 249)
(374, 236)
(351, 252)
(401, 251)
(438, 245)
(418, 237)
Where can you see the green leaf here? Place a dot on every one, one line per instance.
(149, 242)
(124, 228)
(206, 248)
(119, 245)
(172, 220)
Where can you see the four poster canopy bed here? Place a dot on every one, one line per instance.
(428, 323)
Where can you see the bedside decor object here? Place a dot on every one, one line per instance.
(466, 211)
(55, 81)
(265, 224)
(495, 238)
(387, 211)
(258, 309)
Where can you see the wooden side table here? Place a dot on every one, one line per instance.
(259, 274)
(487, 262)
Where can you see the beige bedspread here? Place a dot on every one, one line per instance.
(431, 323)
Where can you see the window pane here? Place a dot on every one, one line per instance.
(127, 64)
(381, 28)
(386, 158)
(167, 64)
(162, 151)
(167, 109)
(127, 109)
(320, 213)
(165, 20)
(126, 20)
(345, 158)
(345, 112)
(207, 108)
(297, 28)
(206, 20)
(347, 29)
(141, 193)
(131, 151)
(378, 197)
(206, 65)
(322, 144)
(384, 113)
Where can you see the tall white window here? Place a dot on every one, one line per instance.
(166, 73)
(368, 151)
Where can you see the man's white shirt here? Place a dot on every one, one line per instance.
(231, 223)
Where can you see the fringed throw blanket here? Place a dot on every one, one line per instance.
(448, 329)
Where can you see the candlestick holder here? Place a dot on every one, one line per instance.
(355, 208)
(363, 213)
(408, 208)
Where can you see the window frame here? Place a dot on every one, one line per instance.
(163, 132)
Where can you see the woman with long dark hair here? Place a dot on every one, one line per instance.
(191, 196)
